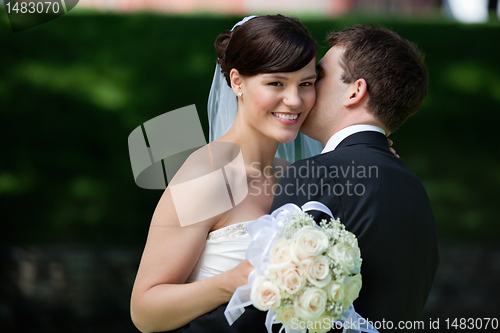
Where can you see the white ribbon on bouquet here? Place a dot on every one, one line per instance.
(263, 232)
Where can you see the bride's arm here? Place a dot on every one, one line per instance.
(161, 300)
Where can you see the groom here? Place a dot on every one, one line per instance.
(369, 83)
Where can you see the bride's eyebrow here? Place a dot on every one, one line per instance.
(310, 77)
(281, 77)
(275, 76)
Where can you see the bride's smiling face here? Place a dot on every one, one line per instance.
(276, 104)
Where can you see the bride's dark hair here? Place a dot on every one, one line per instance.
(265, 44)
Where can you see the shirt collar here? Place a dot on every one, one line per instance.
(345, 132)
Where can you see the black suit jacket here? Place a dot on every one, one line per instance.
(384, 204)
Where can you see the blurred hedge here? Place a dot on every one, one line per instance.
(73, 89)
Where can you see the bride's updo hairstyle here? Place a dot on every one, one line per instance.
(265, 44)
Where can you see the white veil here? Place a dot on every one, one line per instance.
(222, 108)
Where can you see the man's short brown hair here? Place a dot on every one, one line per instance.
(392, 67)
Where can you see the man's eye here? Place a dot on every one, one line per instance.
(275, 84)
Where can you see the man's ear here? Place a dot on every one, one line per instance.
(356, 92)
(236, 81)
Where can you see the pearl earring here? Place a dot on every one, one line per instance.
(240, 94)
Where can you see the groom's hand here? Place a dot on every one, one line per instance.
(390, 143)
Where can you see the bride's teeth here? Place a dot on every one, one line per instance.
(286, 116)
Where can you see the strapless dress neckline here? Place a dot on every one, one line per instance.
(224, 249)
(231, 231)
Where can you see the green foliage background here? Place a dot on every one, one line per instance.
(73, 89)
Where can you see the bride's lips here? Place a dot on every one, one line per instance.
(287, 118)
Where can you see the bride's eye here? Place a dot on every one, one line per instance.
(275, 84)
(307, 84)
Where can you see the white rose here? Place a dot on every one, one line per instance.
(318, 271)
(347, 256)
(280, 253)
(307, 243)
(286, 315)
(265, 294)
(291, 279)
(350, 239)
(352, 287)
(272, 272)
(310, 304)
(335, 292)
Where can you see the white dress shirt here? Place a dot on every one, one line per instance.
(345, 132)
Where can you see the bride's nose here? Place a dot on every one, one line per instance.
(292, 98)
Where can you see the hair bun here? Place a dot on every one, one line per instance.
(221, 44)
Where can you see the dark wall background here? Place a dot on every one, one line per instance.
(74, 222)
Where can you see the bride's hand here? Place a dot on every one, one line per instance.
(239, 275)
(390, 142)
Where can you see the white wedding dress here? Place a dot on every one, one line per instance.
(224, 249)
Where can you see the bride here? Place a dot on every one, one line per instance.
(187, 271)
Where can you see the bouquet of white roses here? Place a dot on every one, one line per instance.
(314, 273)
(304, 273)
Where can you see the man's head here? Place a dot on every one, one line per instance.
(371, 75)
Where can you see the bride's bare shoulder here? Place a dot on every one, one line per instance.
(197, 164)
(198, 190)
(206, 160)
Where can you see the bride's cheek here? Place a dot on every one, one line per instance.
(311, 99)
